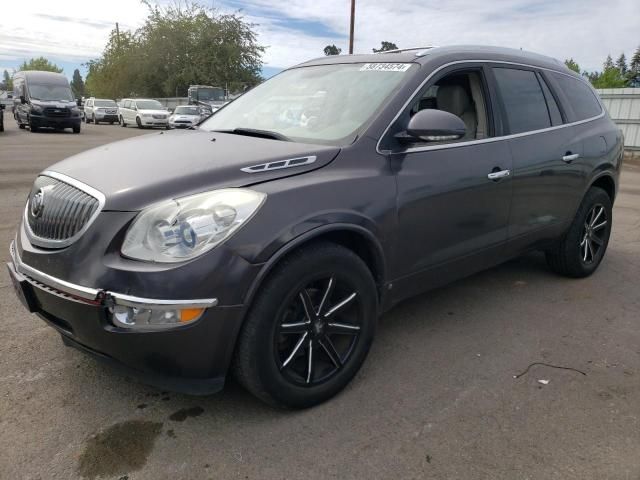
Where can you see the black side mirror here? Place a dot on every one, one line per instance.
(432, 125)
(79, 102)
(22, 99)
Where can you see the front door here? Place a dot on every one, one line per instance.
(453, 198)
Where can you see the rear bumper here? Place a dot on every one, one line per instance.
(191, 359)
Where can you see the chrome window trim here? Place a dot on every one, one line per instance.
(47, 243)
(484, 140)
(44, 281)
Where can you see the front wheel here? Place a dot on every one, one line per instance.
(139, 122)
(93, 119)
(309, 329)
(122, 124)
(581, 250)
(76, 128)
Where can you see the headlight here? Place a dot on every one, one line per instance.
(183, 228)
(37, 109)
(147, 115)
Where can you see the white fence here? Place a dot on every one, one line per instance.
(623, 105)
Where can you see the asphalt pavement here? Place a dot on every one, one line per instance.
(436, 399)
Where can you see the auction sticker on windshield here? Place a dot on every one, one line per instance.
(385, 67)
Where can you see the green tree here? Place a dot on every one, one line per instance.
(178, 45)
(7, 81)
(385, 47)
(634, 66)
(572, 65)
(332, 50)
(77, 85)
(621, 64)
(40, 63)
(608, 63)
(610, 78)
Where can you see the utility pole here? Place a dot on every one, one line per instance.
(353, 15)
(118, 35)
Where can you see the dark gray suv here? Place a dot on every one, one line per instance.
(267, 241)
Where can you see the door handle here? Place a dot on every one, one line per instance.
(570, 157)
(499, 175)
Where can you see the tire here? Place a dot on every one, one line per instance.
(110, 123)
(76, 129)
(93, 119)
(22, 126)
(139, 122)
(272, 355)
(581, 250)
(167, 127)
(122, 124)
(32, 128)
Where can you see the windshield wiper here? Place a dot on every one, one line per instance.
(254, 132)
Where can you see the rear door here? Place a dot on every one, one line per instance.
(545, 176)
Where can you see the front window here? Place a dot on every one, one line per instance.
(326, 104)
(60, 93)
(149, 105)
(187, 111)
(210, 94)
(106, 103)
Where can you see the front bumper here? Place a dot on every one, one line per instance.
(192, 359)
(54, 122)
(154, 122)
(107, 117)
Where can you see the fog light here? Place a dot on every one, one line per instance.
(132, 317)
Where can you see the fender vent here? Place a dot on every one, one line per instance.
(292, 162)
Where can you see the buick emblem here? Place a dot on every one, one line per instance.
(37, 203)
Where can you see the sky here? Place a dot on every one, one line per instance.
(71, 32)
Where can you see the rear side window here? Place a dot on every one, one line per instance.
(582, 99)
(554, 111)
(127, 104)
(524, 102)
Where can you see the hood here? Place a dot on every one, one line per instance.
(54, 103)
(153, 112)
(140, 171)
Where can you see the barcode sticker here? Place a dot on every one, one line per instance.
(385, 67)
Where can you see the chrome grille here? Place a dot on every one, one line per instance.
(57, 112)
(59, 210)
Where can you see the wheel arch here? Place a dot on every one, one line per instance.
(606, 182)
(354, 237)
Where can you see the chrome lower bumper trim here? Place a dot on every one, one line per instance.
(49, 283)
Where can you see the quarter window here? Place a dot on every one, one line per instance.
(581, 97)
(524, 102)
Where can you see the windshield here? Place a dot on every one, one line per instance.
(105, 103)
(149, 105)
(326, 104)
(187, 111)
(50, 92)
(210, 94)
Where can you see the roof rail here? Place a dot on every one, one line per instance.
(418, 54)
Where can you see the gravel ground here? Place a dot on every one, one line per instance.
(436, 399)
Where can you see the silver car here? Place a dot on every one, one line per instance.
(185, 116)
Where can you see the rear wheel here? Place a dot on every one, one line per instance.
(581, 250)
(309, 329)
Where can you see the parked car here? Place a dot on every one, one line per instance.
(44, 100)
(98, 110)
(269, 240)
(185, 116)
(143, 113)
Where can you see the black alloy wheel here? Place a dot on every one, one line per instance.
(309, 328)
(317, 332)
